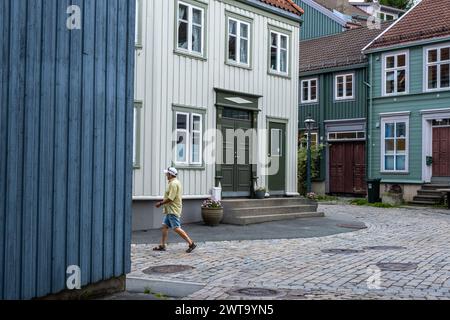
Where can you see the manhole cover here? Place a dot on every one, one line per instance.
(352, 226)
(255, 292)
(341, 251)
(397, 266)
(168, 269)
(385, 248)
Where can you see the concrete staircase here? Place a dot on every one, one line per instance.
(252, 211)
(429, 196)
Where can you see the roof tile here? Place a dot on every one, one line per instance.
(287, 5)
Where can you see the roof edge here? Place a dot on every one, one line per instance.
(326, 12)
(273, 9)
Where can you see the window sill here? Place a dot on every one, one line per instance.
(188, 54)
(191, 167)
(308, 103)
(350, 99)
(279, 74)
(238, 65)
(436, 90)
(402, 173)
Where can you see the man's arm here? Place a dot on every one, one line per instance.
(163, 203)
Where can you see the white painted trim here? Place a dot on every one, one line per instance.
(279, 49)
(190, 23)
(238, 42)
(385, 120)
(395, 114)
(188, 137)
(427, 138)
(426, 64)
(345, 120)
(345, 97)
(389, 28)
(303, 101)
(201, 139)
(394, 54)
(159, 198)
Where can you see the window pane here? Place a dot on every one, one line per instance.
(244, 51)
(181, 147)
(340, 92)
(313, 92)
(445, 54)
(401, 60)
(273, 59)
(390, 62)
(445, 76)
(390, 146)
(274, 41)
(283, 67)
(196, 123)
(389, 128)
(401, 130)
(244, 30)
(232, 48)
(197, 15)
(390, 82)
(232, 27)
(305, 91)
(401, 81)
(283, 42)
(349, 87)
(401, 146)
(389, 163)
(197, 39)
(276, 143)
(182, 122)
(401, 163)
(432, 56)
(182, 35)
(432, 77)
(183, 12)
(196, 143)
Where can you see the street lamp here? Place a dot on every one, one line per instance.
(309, 125)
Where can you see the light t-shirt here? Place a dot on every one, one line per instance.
(174, 193)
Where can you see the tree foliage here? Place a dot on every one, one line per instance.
(302, 160)
(400, 4)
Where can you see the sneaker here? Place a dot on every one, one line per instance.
(191, 248)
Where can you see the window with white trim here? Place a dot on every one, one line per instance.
(395, 73)
(238, 41)
(189, 138)
(314, 140)
(344, 86)
(394, 144)
(309, 91)
(437, 68)
(279, 52)
(190, 33)
(385, 16)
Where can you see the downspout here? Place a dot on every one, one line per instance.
(368, 126)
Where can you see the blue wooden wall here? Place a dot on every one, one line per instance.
(66, 106)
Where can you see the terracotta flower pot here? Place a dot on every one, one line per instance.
(212, 217)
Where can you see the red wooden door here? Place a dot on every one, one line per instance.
(348, 168)
(441, 152)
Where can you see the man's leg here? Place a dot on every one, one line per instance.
(165, 235)
(184, 235)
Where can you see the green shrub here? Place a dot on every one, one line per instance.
(315, 165)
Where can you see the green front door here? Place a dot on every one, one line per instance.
(277, 157)
(236, 167)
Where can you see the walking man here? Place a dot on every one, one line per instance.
(173, 206)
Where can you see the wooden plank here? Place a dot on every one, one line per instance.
(46, 159)
(87, 142)
(61, 141)
(99, 142)
(110, 138)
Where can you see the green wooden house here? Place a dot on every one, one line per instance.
(409, 103)
(334, 92)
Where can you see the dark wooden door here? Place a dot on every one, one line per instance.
(236, 167)
(441, 152)
(277, 155)
(347, 168)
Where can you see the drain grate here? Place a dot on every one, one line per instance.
(342, 251)
(397, 266)
(168, 269)
(353, 226)
(255, 292)
(385, 248)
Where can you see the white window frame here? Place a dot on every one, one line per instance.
(351, 139)
(395, 69)
(279, 49)
(139, 19)
(190, 23)
(314, 138)
(438, 64)
(189, 138)
(395, 120)
(344, 76)
(309, 91)
(191, 142)
(238, 42)
(137, 108)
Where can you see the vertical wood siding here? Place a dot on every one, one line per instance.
(66, 101)
(164, 78)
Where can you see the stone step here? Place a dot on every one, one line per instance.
(434, 186)
(254, 211)
(270, 202)
(430, 193)
(424, 203)
(428, 198)
(247, 220)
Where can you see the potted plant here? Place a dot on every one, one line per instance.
(394, 196)
(260, 193)
(212, 212)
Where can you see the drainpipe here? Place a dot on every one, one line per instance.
(368, 127)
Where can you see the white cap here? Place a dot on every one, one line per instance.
(172, 171)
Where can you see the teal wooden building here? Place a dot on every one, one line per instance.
(66, 123)
(409, 99)
(334, 92)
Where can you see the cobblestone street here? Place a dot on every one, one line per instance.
(300, 269)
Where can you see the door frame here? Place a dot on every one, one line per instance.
(427, 138)
(287, 151)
